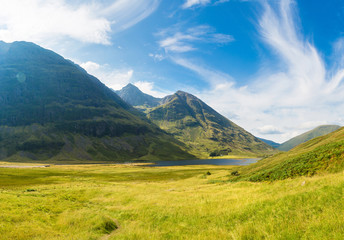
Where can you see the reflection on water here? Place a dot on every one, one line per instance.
(241, 162)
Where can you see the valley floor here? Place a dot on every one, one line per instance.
(137, 202)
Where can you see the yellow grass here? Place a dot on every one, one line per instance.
(81, 202)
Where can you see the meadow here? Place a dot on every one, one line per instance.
(185, 202)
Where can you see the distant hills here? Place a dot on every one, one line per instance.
(51, 109)
(316, 132)
(321, 154)
(201, 128)
(271, 143)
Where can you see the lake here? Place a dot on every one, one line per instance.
(240, 162)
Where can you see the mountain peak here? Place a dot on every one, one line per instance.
(52, 108)
(204, 130)
(135, 97)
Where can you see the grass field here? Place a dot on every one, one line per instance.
(137, 202)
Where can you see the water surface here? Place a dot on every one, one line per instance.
(239, 162)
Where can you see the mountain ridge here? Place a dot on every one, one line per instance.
(135, 97)
(205, 131)
(304, 137)
(53, 109)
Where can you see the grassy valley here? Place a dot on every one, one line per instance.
(136, 202)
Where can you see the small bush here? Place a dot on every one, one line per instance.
(30, 190)
(107, 226)
(235, 173)
(208, 173)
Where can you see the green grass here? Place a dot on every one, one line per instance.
(320, 155)
(137, 202)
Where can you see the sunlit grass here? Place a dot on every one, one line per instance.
(137, 202)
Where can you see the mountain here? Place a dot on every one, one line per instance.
(205, 131)
(271, 143)
(319, 155)
(316, 132)
(51, 109)
(133, 96)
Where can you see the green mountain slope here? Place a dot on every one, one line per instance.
(133, 96)
(316, 132)
(321, 154)
(205, 131)
(51, 109)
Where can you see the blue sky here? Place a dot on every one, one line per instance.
(273, 67)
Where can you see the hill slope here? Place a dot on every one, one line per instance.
(205, 131)
(51, 109)
(321, 154)
(316, 132)
(133, 96)
(271, 143)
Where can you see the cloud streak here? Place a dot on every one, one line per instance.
(115, 79)
(287, 100)
(44, 21)
(194, 3)
(177, 41)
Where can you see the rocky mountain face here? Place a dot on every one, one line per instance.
(135, 97)
(52, 109)
(202, 129)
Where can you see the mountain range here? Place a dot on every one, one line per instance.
(193, 122)
(52, 109)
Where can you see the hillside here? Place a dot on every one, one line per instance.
(206, 132)
(321, 154)
(316, 132)
(271, 143)
(51, 109)
(133, 96)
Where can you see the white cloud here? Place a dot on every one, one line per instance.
(157, 57)
(269, 129)
(216, 78)
(149, 88)
(280, 103)
(45, 21)
(178, 41)
(191, 3)
(115, 79)
(195, 3)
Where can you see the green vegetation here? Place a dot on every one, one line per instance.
(136, 202)
(203, 130)
(324, 154)
(52, 110)
(316, 132)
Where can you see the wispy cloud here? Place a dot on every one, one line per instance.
(197, 3)
(43, 21)
(285, 101)
(216, 78)
(176, 40)
(115, 79)
(191, 3)
(151, 89)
